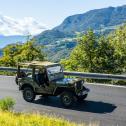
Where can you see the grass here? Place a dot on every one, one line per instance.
(9, 118)
(21, 119)
(7, 104)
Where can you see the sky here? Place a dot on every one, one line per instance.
(52, 12)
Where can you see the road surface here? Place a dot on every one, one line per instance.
(106, 105)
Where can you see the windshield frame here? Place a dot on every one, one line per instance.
(60, 72)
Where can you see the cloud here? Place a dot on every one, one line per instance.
(27, 25)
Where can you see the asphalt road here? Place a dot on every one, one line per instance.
(106, 105)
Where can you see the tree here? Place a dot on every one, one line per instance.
(104, 61)
(9, 52)
(118, 41)
(15, 53)
(99, 54)
(82, 57)
(29, 52)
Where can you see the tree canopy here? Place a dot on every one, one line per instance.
(99, 54)
(12, 54)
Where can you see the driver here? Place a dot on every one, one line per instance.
(22, 74)
(42, 77)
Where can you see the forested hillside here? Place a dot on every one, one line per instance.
(99, 54)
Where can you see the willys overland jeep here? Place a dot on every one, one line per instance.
(47, 79)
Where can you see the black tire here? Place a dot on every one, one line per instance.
(67, 99)
(81, 98)
(28, 94)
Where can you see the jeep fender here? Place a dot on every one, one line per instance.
(26, 85)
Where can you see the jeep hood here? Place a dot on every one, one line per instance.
(67, 81)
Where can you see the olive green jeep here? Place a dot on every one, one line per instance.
(47, 79)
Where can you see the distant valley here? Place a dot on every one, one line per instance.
(6, 40)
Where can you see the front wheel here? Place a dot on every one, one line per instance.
(67, 99)
(81, 98)
(28, 94)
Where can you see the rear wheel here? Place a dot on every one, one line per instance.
(28, 94)
(67, 99)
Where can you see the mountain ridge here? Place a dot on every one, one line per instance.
(94, 19)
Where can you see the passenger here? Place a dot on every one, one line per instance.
(40, 77)
(46, 80)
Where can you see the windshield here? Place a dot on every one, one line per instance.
(55, 72)
(55, 69)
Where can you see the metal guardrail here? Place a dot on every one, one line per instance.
(8, 69)
(96, 75)
(78, 74)
(11, 69)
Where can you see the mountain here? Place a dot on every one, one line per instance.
(28, 25)
(50, 36)
(94, 19)
(100, 20)
(106, 18)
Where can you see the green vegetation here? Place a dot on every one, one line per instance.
(7, 104)
(99, 54)
(9, 118)
(12, 54)
(20, 119)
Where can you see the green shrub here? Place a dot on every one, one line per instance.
(7, 104)
(119, 82)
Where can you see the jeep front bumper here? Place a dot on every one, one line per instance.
(83, 92)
